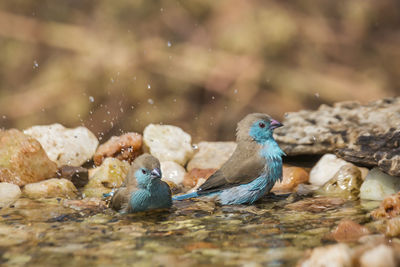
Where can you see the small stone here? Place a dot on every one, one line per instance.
(195, 176)
(335, 255)
(389, 208)
(125, 147)
(77, 175)
(22, 159)
(168, 143)
(349, 231)
(380, 256)
(173, 172)
(325, 169)
(72, 147)
(393, 227)
(110, 174)
(378, 185)
(211, 155)
(345, 184)
(291, 178)
(8, 194)
(50, 188)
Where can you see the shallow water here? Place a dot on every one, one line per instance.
(274, 232)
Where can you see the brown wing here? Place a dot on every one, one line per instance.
(242, 167)
(120, 199)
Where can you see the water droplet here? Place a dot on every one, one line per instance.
(316, 95)
(174, 100)
(213, 97)
(148, 86)
(4, 117)
(122, 110)
(195, 146)
(169, 44)
(150, 101)
(112, 80)
(35, 64)
(91, 99)
(161, 9)
(235, 91)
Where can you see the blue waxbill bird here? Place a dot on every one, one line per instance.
(253, 168)
(143, 189)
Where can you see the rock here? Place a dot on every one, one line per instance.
(125, 147)
(389, 208)
(380, 256)
(378, 185)
(168, 143)
(291, 178)
(22, 159)
(72, 147)
(363, 134)
(110, 174)
(173, 172)
(211, 155)
(335, 255)
(77, 175)
(345, 184)
(50, 188)
(196, 177)
(349, 231)
(325, 169)
(317, 204)
(8, 194)
(393, 227)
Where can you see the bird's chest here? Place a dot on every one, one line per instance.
(272, 155)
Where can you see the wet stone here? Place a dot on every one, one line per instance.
(381, 255)
(317, 204)
(9, 193)
(389, 208)
(378, 185)
(51, 188)
(349, 231)
(335, 255)
(22, 159)
(291, 178)
(110, 174)
(172, 172)
(325, 169)
(197, 177)
(125, 147)
(346, 183)
(72, 147)
(77, 175)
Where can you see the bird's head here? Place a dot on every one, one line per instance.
(146, 168)
(256, 127)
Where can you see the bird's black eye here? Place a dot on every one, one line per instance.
(143, 171)
(261, 124)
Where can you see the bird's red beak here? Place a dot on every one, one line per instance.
(275, 124)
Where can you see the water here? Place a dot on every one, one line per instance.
(274, 232)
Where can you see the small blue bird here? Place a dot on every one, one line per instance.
(143, 189)
(253, 168)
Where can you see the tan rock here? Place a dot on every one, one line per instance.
(338, 255)
(390, 207)
(8, 194)
(50, 188)
(291, 178)
(211, 155)
(349, 231)
(380, 256)
(23, 160)
(125, 147)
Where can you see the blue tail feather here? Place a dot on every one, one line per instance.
(185, 196)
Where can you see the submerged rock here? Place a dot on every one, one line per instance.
(22, 159)
(325, 169)
(363, 134)
(317, 204)
(378, 185)
(110, 174)
(211, 155)
(50, 188)
(389, 208)
(197, 177)
(345, 184)
(8, 194)
(334, 255)
(291, 178)
(125, 147)
(77, 175)
(71, 147)
(393, 227)
(172, 172)
(349, 231)
(168, 143)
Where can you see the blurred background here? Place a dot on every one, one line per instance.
(116, 66)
